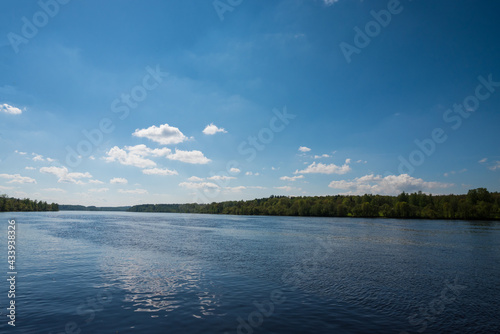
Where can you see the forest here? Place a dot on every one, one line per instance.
(14, 204)
(476, 204)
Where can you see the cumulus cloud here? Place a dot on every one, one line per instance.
(65, 176)
(320, 168)
(455, 172)
(20, 153)
(98, 190)
(388, 185)
(236, 189)
(195, 179)
(164, 134)
(37, 157)
(134, 191)
(212, 129)
(482, 161)
(118, 180)
(252, 173)
(304, 149)
(221, 177)
(198, 185)
(191, 157)
(96, 182)
(29, 168)
(322, 156)
(234, 170)
(329, 2)
(8, 109)
(291, 178)
(159, 171)
(17, 178)
(136, 155)
(496, 166)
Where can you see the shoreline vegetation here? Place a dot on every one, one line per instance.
(10, 204)
(477, 204)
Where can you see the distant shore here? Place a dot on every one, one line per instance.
(477, 204)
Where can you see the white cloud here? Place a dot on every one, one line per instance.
(275, 168)
(98, 190)
(20, 153)
(252, 173)
(191, 157)
(159, 171)
(195, 179)
(304, 149)
(92, 157)
(54, 190)
(95, 182)
(329, 2)
(496, 166)
(482, 161)
(325, 169)
(8, 109)
(361, 161)
(65, 176)
(235, 189)
(6, 188)
(221, 177)
(198, 185)
(16, 178)
(388, 185)
(234, 170)
(322, 156)
(347, 161)
(292, 178)
(455, 172)
(118, 180)
(135, 191)
(37, 157)
(164, 134)
(212, 129)
(135, 155)
(29, 168)
(51, 160)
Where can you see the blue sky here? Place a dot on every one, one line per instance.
(127, 102)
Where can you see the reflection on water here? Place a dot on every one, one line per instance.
(200, 273)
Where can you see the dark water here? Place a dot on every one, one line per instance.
(178, 273)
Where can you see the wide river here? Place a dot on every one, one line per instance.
(82, 272)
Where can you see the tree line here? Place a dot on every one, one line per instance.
(65, 207)
(16, 204)
(476, 204)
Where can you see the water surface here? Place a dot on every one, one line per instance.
(181, 273)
